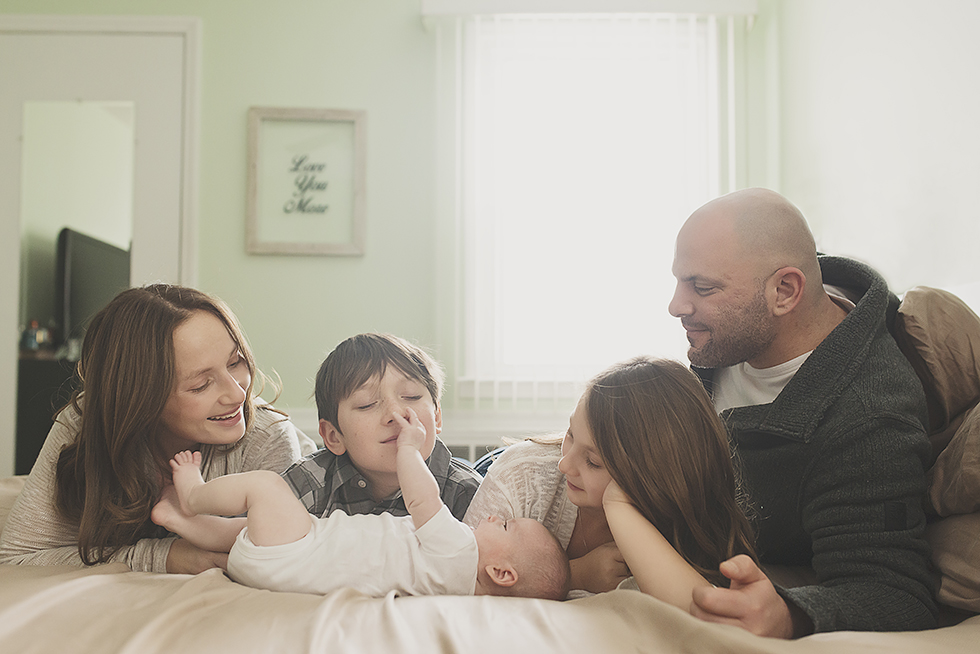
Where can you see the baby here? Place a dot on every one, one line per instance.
(280, 546)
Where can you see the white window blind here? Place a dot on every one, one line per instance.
(580, 144)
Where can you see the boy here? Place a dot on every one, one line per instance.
(429, 552)
(382, 369)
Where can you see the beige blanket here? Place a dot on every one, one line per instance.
(110, 609)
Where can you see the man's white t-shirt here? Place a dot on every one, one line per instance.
(743, 385)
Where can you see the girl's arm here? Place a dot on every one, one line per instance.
(657, 567)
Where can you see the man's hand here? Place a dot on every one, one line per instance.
(751, 603)
(600, 570)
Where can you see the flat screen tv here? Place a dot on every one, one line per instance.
(88, 274)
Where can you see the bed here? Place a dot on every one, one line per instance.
(109, 608)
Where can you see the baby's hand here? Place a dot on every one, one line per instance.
(412, 432)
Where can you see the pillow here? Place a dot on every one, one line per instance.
(954, 479)
(940, 336)
(955, 545)
(9, 490)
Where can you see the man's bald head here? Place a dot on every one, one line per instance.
(749, 286)
(767, 231)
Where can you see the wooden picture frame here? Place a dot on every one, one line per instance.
(306, 173)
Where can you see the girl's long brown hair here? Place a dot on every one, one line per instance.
(658, 434)
(110, 477)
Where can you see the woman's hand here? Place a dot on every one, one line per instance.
(600, 570)
(184, 558)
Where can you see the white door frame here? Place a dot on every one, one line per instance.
(183, 270)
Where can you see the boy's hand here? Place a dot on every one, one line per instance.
(412, 432)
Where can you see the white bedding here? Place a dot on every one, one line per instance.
(111, 609)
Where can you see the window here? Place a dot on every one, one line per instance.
(577, 146)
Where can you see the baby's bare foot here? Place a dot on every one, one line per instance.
(186, 468)
(166, 512)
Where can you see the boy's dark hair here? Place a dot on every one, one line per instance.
(365, 356)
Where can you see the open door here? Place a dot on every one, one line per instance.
(152, 62)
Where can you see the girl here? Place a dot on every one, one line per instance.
(163, 369)
(641, 482)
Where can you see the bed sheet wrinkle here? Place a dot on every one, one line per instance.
(347, 617)
(108, 609)
(33, 612)
(187, 610)
(622, 621)
(964, 637)
(354, 622)
(78, 610)
(211, 613)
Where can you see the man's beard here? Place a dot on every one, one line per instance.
(739, 335)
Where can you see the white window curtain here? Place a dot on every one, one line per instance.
(574, 148)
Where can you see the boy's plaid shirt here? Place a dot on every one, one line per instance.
(325, 482)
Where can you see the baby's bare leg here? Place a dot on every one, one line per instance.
(207, 532)
(275, 516)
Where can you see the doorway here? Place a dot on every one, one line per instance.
(150, 62)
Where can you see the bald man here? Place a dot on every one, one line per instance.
(824, 413)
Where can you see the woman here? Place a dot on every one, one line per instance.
(163, 369)
(643, 441)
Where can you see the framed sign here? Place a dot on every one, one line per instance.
(305, 181)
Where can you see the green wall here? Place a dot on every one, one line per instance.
(879, 132)
(371, 55)
(860, 111)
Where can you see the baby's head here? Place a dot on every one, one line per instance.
(520, 558)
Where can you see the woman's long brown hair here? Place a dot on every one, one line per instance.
(110, 477)
(661, 440)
